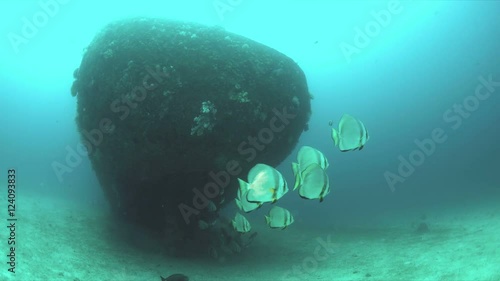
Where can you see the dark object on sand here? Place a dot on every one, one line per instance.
(422, 228)
(176, 277)
(172, 113)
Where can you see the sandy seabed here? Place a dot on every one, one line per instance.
(59, 240)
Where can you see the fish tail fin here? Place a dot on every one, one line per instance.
(335, 137)
(296, 173)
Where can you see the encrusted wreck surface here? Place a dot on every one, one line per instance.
(173, 113)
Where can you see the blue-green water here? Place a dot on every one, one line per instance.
(423, 76)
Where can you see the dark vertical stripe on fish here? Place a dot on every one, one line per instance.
(325, 183)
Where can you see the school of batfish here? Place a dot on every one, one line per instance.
(265, 184)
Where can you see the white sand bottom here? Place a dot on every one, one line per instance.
(59, 240)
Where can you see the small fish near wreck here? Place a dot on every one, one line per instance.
(351, 134)
(265, 184)
(279, 218)
(315, 183)
(241, 199)
(241, 224)
(307, 156)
